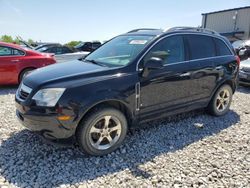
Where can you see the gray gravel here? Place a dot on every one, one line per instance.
(188, 150)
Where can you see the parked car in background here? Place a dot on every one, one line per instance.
(45, 45)
(242, 48)
(88, 46)
(70, 56)
(16, 62)
(245, 72)
(62, 53)
(56, 49)
(136, 77)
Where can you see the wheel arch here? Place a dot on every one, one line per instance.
(226, 82)
(117, 104)
(23, 70)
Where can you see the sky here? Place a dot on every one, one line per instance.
(86, 20)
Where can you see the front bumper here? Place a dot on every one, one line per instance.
(45, 124)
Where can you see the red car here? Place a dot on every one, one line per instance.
(16, 62)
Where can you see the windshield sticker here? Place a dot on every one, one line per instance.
(138, 42)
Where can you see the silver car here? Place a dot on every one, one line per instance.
(244, 73)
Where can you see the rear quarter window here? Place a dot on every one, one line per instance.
(200, 46)
(18, 52)
(222, 48)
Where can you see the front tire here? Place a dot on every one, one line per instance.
(102, 131)
(221, 101)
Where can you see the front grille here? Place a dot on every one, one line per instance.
(24, 91)
(23, 95)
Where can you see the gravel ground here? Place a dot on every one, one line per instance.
(188, 150)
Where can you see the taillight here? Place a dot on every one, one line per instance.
(238, 60)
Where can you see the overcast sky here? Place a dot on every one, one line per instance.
(64, 20)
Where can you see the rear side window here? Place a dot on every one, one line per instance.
(222, 48)
(200, 46)
(67, 50)
(95, 45)
(18, 52)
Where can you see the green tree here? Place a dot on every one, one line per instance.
(72, 44)
(30, 41)
(6, 38)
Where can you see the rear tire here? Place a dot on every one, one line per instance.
(221, 101)
(102, 131)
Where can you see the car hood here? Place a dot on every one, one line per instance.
(61, 72)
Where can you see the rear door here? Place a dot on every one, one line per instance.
(9, 60)
(202, 50)
(171, 87)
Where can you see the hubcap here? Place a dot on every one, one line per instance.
(222, 100)
(105, 132)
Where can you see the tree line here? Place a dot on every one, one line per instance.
(16, 40)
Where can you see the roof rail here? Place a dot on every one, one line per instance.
(142, 29)
(199, 29)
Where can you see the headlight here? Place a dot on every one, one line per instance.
(48, 97)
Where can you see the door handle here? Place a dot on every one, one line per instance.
(15, 60)
(185, 74)
(219, 67)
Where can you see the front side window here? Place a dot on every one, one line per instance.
(5, 51)
(120, 51)
(170, 50)
(200, 46)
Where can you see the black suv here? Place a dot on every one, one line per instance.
(88, 46)
(136, 77)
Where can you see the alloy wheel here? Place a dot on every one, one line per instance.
(223, 100)
(105, 132)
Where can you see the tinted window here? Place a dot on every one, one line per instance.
(67, 50)
(5, 51)
(59, 50)
(222, 49)
(170, 50)
(51, 50)
(95, 45)
(201, 46)
(18, 52)
(43, 49)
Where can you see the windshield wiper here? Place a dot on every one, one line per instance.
(94, 62)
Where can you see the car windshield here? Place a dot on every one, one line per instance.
(80, 45)
(120, 51)
(42, 49)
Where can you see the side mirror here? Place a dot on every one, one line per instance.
(153, 63)
(243, 54)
